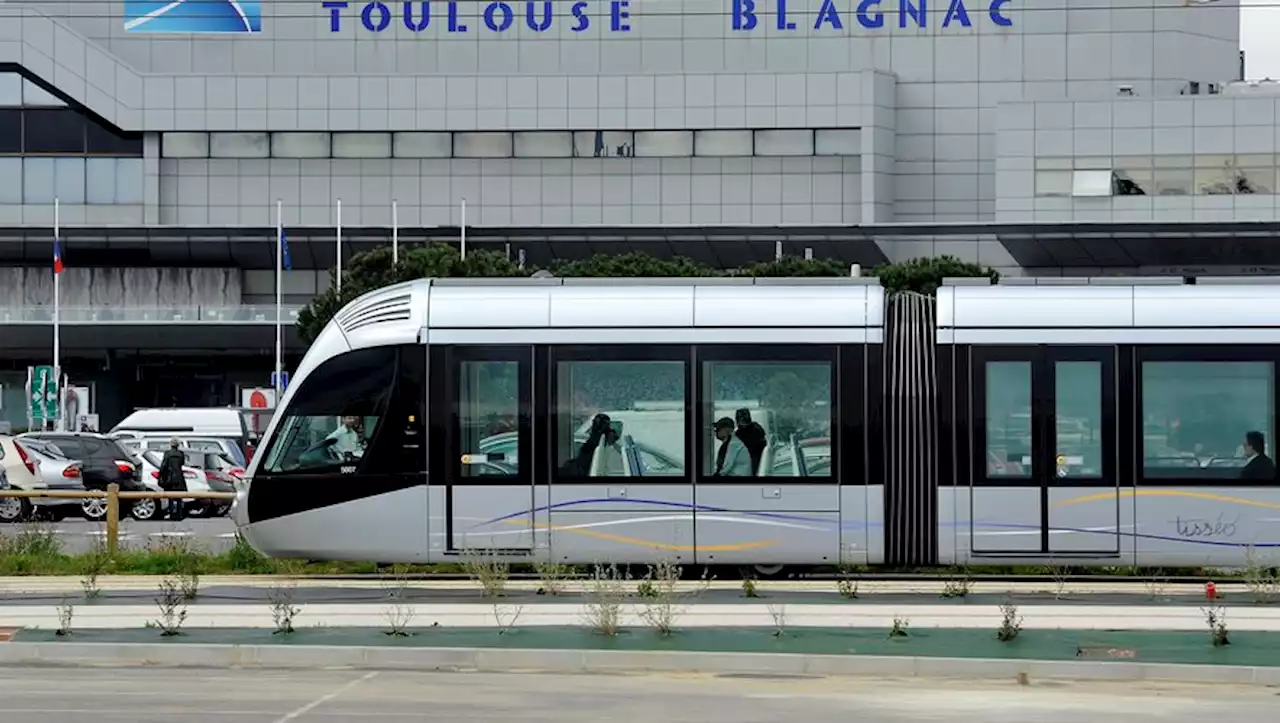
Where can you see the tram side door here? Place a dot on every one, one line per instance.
(1046, 480)
(487, 462)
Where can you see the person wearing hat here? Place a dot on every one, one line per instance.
(732, 458)
(172, 480)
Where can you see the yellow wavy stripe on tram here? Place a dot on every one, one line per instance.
(1213, 497)
(648, 543)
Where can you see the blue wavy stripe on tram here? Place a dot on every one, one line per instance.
(1142, 535)
(858, 524)
(684, 506)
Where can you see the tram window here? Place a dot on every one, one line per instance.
(335, 412)
(1008, 423)
(489, 417)
(774, 417)
(620, 419)
(1196, 416)
(1078, 395)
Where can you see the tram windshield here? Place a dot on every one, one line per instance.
(333, 416)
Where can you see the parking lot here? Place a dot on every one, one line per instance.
(78, 535)
(266, 696)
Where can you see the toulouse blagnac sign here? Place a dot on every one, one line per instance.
(615, 16)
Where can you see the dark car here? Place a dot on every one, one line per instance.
(103, 461)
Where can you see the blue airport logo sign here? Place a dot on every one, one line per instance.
(615, 16)
(193, 17)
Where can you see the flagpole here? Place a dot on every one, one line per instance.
(279, 300)
(395, 234)
(57, 308)
(339, 281)
(464, 228)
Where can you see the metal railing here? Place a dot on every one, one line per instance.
(113, 495)
(150, 314)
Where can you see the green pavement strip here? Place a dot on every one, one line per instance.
(1246, 648)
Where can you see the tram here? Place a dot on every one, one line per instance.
(574, 420)
(766, 423)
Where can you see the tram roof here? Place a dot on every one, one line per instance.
(1110, 303)
(404, 312)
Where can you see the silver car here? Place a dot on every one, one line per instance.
(59, 472)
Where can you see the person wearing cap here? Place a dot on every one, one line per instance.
(732, 458)
(172, 480)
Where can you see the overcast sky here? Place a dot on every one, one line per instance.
(1260, 38)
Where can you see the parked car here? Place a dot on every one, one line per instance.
(103, 461)
(9, 507)
(229, 426)
(140, 441)
(21, 473)
(59, 472)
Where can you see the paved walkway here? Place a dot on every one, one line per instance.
(502, 612)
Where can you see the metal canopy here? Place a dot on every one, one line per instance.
(1104, 245)
(1096, 245)
(91, 340)
(315, 248)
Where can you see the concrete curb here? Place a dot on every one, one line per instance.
(595, 661)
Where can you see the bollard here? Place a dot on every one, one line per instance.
(113, 518)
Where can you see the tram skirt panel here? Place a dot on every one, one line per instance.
(911, 431)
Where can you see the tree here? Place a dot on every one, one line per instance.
(632, 265)
(375, 269)
(792, 266)
(925, 275)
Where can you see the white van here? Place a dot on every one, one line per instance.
(224, 426)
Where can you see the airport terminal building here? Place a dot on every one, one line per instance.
(1035, 136)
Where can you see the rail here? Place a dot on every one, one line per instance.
(113, 495)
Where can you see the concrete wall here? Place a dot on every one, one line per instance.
(928, 151)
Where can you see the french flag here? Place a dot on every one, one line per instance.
(57, 256)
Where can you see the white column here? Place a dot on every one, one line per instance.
(57, 311)
(279, 301)
(339, 274)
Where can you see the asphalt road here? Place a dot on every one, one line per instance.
(65, 695)
(78, 535)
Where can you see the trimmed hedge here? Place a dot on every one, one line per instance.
(374, 269)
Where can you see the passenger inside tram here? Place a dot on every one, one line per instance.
(603, 435)
(752, 436)
(1259, 466)
(732, 457)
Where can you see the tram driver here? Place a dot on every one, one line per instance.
(348, 440)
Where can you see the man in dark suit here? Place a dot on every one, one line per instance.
(1260, 466)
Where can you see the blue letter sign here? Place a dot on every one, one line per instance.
(616, 16)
